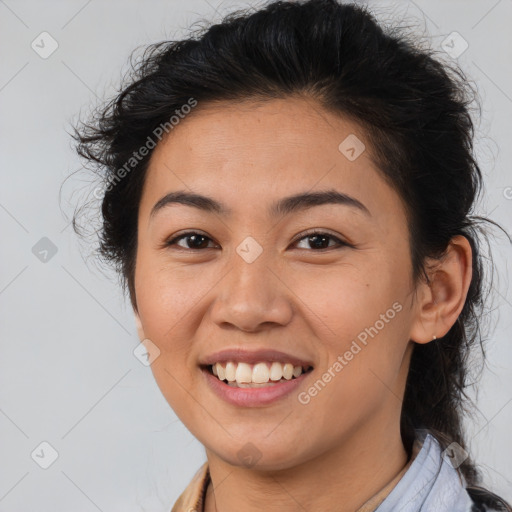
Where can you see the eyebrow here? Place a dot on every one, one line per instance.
(282, 207)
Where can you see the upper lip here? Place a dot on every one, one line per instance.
(253, 356)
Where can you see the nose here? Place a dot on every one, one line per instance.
(251, 296)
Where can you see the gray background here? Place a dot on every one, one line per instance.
(68, 375)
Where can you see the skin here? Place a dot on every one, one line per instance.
(341, 448)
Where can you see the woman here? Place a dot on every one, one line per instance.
(287, 198)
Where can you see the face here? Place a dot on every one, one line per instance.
(252, 277)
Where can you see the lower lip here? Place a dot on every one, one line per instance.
(252, 397)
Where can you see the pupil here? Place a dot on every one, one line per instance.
(319, 238)
(195, 238)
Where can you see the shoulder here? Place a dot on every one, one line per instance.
(192, 498)
(432, 483)
(450, 483)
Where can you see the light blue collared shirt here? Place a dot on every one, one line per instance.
(431, 484)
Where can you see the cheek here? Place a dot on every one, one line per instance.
(359, 318)
(169, 308)
(361, 368)
(344, 300)
(166, 294)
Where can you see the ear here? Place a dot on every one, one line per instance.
(441, 301)
(140, 330)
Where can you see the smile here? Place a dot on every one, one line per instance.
(244, 375)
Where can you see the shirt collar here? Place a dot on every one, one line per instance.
(192, 498)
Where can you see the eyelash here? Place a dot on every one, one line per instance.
(340, 242)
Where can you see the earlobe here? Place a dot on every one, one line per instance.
(443, 298)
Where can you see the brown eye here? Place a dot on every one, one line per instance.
(319, 240)
(193, 240)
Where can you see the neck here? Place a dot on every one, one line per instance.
(340, 479)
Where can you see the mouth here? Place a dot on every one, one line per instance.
(262, 374)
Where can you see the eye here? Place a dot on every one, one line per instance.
(318, 240)
(195, 240)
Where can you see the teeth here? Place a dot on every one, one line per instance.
(246, 375)
(260, 373)
(243, 373)
(251, 385)
(288, 371)
(276, 371)
(230, 371)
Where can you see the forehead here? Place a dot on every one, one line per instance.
(252, 153)
(264, 134)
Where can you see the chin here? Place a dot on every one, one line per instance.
(260, 455)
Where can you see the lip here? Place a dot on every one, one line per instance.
(240, 355)
(252, 397)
